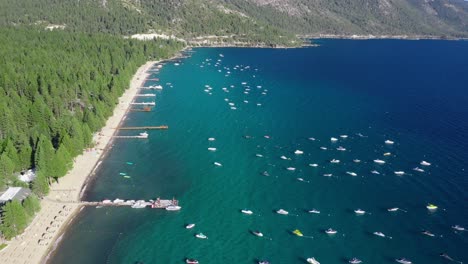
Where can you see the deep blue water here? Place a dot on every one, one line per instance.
(412, 92)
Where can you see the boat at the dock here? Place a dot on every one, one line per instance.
(173, 208)
(139, 204)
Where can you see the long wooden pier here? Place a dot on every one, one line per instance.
(157, 204)
(144, 128)
(144, 103)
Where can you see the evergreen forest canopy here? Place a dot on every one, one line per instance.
(56, 89)
(266, 21)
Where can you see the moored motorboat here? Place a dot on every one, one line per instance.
(355, 261)
(323, 148)
(334, 161)
(380, 234)
(201, 236)
(399, 173)
(212, 149)
(139, 204)
(458, 228)
(173, 208)
(359, 211)
(283, 158)
(333, 139)
(282, 212)
(327, 175)
(394, 209)
(291, 168)
(389, 142)
(378, 161)
(403, 261)
(297, 232)
(431, 207)
(418, 169)
(298, 152)
(343, 136)
(257, 233)
(351, 173)
(340, 148)
(313, 165)
(375, 172)
(191, 261)
(312, 261)
(427, 233)
(189, 226)
(314, 211)
(387, 154)
(246, 211)
(425, 163)
(263, 262)
(218, 164)
(331, 231)
(356, 160)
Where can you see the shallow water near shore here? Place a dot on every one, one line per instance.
(411, 92)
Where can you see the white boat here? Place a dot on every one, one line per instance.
(314, 211)
(331, 231)
(340, 148)
(283, 158)
(231, 104)
(291, 168)
(143, 135)
(298, 152)
(118, 201)
(313, 165)
(418, 169)
(257, 233)
(387, 154)
(173, 208)
(380, 234)
(233, 108)
(312, 139)
(389, 142)
(351, 173)
(312, 261)
(431, 207)
(107, 201)
(355, 261)
(378, 161)
(427, 233)
(458, 228)
(334, 161)
(333, 139)
(399, 172)
(282, 212)
(191, 261)
(359, 211)
(375, 172)
(259, 155)
(212, 149)
(201, 236)
(425, 163)
(245, 211)
(356, 160)
(328, 175)
(211, 139)
(139, 204)
(263, 262)
(323, 148)
(344, 136)
(218, 164)
(403, 261)
(394, 209)
(190, 226)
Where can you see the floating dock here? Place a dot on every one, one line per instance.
(156, 87)
(153, 79)
(144, 128)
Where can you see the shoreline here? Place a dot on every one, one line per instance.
(370, 36)
(58, 209)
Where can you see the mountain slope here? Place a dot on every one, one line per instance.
(265, 22)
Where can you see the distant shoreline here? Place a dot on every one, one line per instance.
(370, 36)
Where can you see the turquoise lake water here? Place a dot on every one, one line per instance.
(414, 93)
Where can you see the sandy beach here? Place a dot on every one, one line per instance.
(63, 201)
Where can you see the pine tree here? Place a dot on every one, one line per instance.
(31, 205)
(14, 219)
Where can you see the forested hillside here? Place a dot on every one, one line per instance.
(267, 22)
(56, 88)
